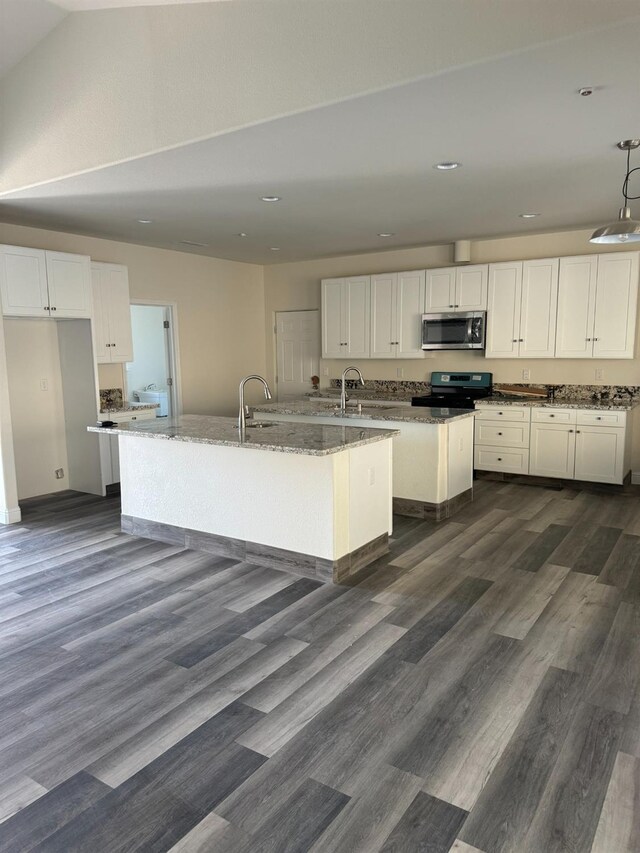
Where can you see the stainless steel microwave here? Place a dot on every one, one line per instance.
(460, 330)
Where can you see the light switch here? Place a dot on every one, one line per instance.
(44, 384)
(599, 374)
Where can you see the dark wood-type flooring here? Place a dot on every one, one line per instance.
(478, 690)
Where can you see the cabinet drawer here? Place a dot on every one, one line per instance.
(508, 413)
(502, 434)
(142, 415)
(554, 416)
(512, 461)
(604, 417)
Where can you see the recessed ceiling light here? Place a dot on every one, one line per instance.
(145, 221)
(528, 215)
(242, 234)
(447, 166)
(275, 248)
(585, 91)
(193, 243)
(386, 234)
(270, 198)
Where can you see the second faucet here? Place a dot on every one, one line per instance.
(343, 394)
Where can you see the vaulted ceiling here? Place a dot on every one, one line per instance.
(187, 116)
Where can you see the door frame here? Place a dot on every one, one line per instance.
(174, 351)
(275, 340)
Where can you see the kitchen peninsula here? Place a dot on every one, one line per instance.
(432, 455)
(310, 498)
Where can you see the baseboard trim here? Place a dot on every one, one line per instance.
(431, 511)
(10, 516)
(635, 478)
(304, 565)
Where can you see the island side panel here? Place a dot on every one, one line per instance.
(283, 500)
(460, 457)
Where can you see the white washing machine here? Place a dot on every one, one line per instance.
(155, 395)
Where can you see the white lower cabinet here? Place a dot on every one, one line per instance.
(570, 444)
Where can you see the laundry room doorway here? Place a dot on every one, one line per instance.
(153, 375)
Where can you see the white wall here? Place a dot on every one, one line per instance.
(38, 416)
(149, 349)
(220, 311)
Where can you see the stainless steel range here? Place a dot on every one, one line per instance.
(456, 390)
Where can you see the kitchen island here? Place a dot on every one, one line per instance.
(312, 499)
(432, 455)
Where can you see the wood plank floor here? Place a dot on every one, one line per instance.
(478, 690)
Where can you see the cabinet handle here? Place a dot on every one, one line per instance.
(46, 308)
(552, 416)
(521, 340)
(499, 433)
(577, 432)
(598, 418)
(588, 339)
(499, 458)
(595, 339)
(570, 430)
(501, 413)
(54, 308)
(514, 341)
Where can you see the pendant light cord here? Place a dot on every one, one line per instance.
(625, 184)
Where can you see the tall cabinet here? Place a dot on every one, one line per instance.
(112, 313)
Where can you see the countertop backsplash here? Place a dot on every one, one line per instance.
(110, 399)
(591, 393)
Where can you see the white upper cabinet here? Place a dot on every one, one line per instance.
(597, 302)
(457, 289)
(576, 306)
(616, 305)
(537, 335)
(521, 316)
(503, 310)
(397, 301)
(112, 313)
(346, 317)
(36, 283)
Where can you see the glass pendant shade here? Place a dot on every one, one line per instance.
(624, 230)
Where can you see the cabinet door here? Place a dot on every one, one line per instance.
(100, 316)
(600, 454)
(538, 310)
(23, 282)
(384, 341)
(410, 307)
(441, 290)
(333, 332)
(552, 450)
(471, 288)
(69, 279)
(503, 310)
(576, 306)
(616, 303)
(116, 298)
(357, 316)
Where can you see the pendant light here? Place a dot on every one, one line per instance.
(625, 229)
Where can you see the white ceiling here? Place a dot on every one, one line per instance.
(526, 139)
(23, 23)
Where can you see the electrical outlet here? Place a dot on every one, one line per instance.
(44, 384)
(400, 372)
(599, 374)
(325, 371)
(526, 374)
(59, 472)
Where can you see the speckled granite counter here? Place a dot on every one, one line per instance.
(305, 439)
(569, 403)
(402, 414)
(129, 407)
(357, 394)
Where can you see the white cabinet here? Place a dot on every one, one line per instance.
(501, 441)
(346, 317)
(600, 454)
(522, 301)
(112, 313)
(397, 301)
(457, 289)
(552, 450)
(597, 302)
(37, 283)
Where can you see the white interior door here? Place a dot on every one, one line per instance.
(297, 352)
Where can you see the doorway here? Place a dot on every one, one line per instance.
(152, 377)
(297, 352)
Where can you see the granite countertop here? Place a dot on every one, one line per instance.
(128, 407)
(358, 394)
(306, 439)
(568, 403)
(406, 414)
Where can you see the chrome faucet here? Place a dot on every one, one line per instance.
(343, 395)
(244, 410)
